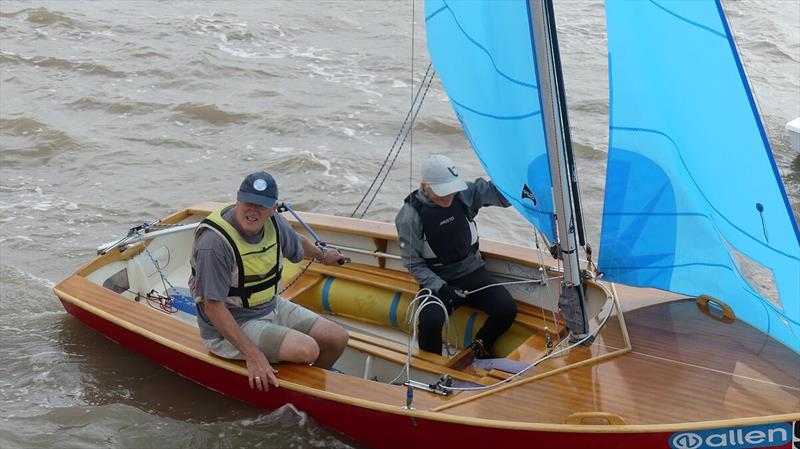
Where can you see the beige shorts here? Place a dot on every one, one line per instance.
(268, 331)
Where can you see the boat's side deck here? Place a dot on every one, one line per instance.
(684, 367)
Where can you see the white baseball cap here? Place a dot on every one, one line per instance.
(441, 174)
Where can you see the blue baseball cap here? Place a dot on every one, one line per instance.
(259, 188)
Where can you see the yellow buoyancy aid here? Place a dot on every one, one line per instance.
(258, 263)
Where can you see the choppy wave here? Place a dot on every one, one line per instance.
(300, 162)
(22, 125)
(51, 62)
(438, 126)
(41, 16)
(776, 50)
(16, 278)
(28, 139)
(163, 142)
(209, 113)
(125, 426)
(116, 106)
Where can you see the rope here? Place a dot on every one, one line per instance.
(297, 278)
(527, 281)
(394, 150)
(412, 319)
(162, 302)
(421, 295)
(539, 361)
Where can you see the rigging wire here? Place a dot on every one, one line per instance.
(406, 131)
(397, 154)
(164, 280)
(411, 125)
(394, 150)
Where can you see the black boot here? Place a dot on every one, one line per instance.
(480, 351)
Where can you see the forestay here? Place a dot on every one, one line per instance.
(483, 54)
(694, 202)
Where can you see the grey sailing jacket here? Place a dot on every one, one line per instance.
(412, 239)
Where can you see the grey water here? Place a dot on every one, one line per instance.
(114, 112)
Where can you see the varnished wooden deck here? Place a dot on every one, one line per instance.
(684, 368)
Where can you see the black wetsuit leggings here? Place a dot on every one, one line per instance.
(495, 302)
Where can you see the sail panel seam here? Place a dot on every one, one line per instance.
(678, 16)
(497, 117)
(488, 53)
(700, 191)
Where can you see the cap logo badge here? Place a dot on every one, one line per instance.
(453, 171)
(260, 185)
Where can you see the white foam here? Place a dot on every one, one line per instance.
(283, 149)
(353, 179)
(239, 53)
(18, 237)
(277, 28)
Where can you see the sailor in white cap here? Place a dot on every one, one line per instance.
(439, 241)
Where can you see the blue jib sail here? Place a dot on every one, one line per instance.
(694, 202)
(483, 54)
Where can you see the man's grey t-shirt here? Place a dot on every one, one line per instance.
(215, 268)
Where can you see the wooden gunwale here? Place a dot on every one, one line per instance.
(436, 410)
(386, 232)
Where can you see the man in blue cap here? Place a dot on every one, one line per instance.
(439, 247)
(236, 270)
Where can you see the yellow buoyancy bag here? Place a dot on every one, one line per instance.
(258, 263)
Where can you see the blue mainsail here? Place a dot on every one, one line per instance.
(694, 202)
(484, 56)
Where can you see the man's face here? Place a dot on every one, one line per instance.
(251, 217)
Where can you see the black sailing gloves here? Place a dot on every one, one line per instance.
(451, 297)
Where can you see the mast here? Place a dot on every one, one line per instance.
(559, 151)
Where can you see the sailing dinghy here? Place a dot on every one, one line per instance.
(598, 356)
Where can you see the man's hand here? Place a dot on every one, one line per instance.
(333, 257)
(259, 372)
(281, 207)
(451, 297)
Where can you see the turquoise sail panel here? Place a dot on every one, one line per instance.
(483, 53)
(694, 202)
